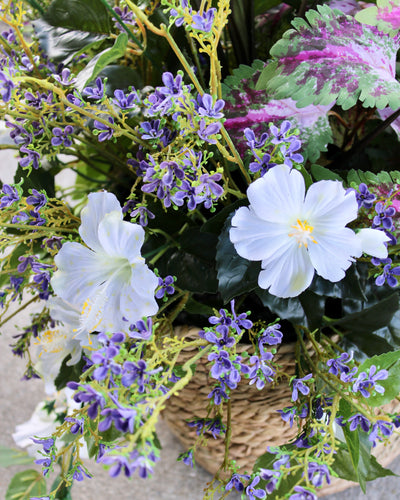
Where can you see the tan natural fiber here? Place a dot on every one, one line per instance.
(256, 424)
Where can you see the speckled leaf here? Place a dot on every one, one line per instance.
(385, 16)
(333, 56)
(248, 107)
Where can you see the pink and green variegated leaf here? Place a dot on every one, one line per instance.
(333, 56)
(247, 107)
(385, 16)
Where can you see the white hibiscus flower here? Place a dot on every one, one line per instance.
(295, 234)
(54, 345)
(108, 282)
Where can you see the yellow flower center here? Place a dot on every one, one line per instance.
(51, 341)
(302, 233)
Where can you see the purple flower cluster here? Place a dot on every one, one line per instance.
(197, 21)
(299, 386)
(177, 183)
(36, 200)
(48, 453)
(365, 383)
(10, 196)
(270, 150)
(389, 272)
(213, 426)
(142, 460)
(104, 357)
(62, 137)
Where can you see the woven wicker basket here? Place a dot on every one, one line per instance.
(256, 423)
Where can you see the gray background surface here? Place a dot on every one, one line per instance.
(171, 481)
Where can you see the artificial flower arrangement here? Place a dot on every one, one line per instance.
(236, 172)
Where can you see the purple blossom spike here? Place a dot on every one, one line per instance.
(299, 386)
(252, 492)
(317, 473)
(126, 101)
(32, 157)
(206, 131)
(205, 106)
(10, 196)
(107, 131)
(359, 420)
(364, 197)
(204, 22)
(236, 481)
(302, 494)
(37, 199)
(96, 92)
(62, 136)
(6, 87)
(65, 78)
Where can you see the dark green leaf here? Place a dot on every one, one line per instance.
(61, 44)
(372, 318)
(101, 60)
(83, 15)
(26, 484)
(351, 287)
(216, 223)
(288, 309)
(235, 274)
(41, 178)
(314, 307)
(9, 456)
(68, 373)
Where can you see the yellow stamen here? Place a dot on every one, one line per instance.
(302, 233)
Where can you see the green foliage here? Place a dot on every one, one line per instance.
(26, 484)
(101, 60)
(300, 70)
(61, 44)
(10, 456)
(356, 177)
(68, 373)
(235, 274)
(389, 361)
(83, 15)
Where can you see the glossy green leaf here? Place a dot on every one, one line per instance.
(389, 361)
(288, 309)
(61, 44)
(101, 60)
(26, 484)
(369, 319)
(84, 15)
(10, 456)
(235, 274)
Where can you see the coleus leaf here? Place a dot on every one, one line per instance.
(385, 16)
(333, 56)
(247, 107)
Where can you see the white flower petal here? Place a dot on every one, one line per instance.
(327, 204)
(99, 204)
(288, 274)
(254, 238)
(333, 253)
(119, 238)
(79, 273)
(373, 242)
(278, 196)
(137, 298)
(63, 311)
